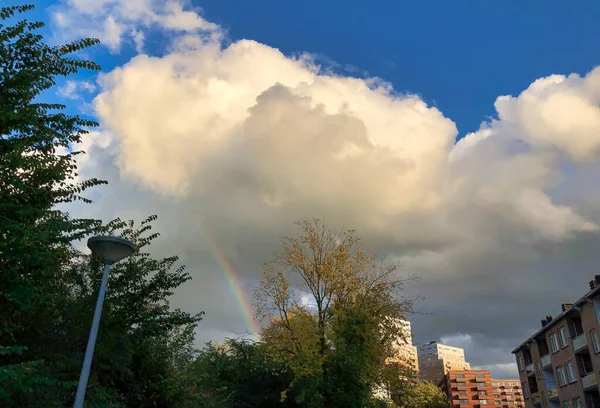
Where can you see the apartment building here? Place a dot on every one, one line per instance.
(476, 389)
(405, 351)
(436, 360)
(559, 364)
(405, 354)
(507, 393)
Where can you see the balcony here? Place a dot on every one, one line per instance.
(579, 342)
(552, 393)
(529, 368)
(589, 381)
(536, 398)
(546, 361)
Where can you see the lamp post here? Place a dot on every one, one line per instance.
(111, 250)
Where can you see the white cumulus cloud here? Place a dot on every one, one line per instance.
(236, 141)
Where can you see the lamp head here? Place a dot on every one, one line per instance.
(110, 249)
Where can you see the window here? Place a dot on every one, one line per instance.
(520, 364)
(479, 376)
(525, 389)
(481, 393)
(595, 341)
(538, 372)
(562, 337)
(577, 403)
(460, 376)
(461, 384)
(566, 404)
(571, 372)
(496, 395)
(496, 384)
(553, 344)
(561, 376)
(462, 392)
(481, 384)
(483, 402)
(463, 401)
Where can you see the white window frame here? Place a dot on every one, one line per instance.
(560, 375)
(571, 375)
(562, 337)
(553, 343)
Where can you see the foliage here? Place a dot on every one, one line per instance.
(423, 394)
(37, 172)
(143, 346)
(336, 347)
(239, 374)
(47, 288)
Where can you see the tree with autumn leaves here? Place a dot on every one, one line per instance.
(331, 352)
(337, 344)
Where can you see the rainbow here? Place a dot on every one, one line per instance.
(234, 281)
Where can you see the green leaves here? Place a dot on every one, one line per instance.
(239, 374)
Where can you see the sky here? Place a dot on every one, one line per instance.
(461, 139)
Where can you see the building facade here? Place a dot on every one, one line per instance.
(436, 360)
(559, 364)
(507, 393)
(405, 352)
(476, 389)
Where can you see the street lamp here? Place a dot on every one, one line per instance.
(111, 250)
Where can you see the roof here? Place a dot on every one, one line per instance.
(591, 294)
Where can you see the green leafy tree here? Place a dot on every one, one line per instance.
(423, 394)
(239, 374)
(144, 346)
(37, 172)
(337, 347)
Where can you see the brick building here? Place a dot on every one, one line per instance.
(507, 393)
(559, 364)
(476, 389)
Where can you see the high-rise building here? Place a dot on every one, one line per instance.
(476, 389)
(559, 364)
(405, 351)
(436, 360)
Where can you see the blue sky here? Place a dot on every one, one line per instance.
(459, 55)
(196, 128)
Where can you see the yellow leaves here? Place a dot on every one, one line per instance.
(346, 286)
(283, 396)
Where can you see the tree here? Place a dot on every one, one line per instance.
(143, 347)
(37, 172)
(337, 345)
(424, 394)
(239, 374)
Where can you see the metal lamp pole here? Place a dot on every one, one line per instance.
(111, 250)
